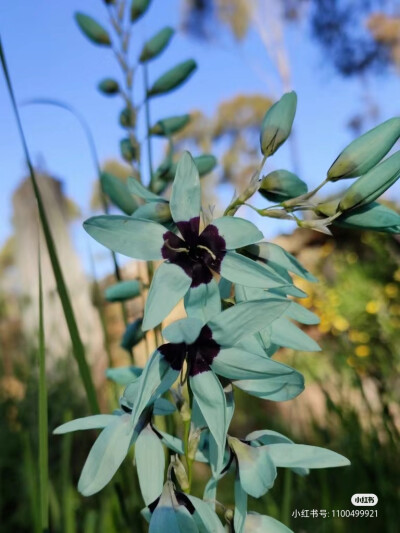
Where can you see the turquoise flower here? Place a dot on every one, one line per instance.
(192, 257)
(200, 351)
(112, 446)
(176, 512)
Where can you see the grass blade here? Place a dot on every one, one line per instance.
(43, 418)
(77, 345)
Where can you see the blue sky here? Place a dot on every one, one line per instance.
(48, 57)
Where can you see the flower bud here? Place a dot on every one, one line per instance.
(108, 86)
(277, 123)
(157, 211)
(133, 335)
(281, 185)
(180, 472)
(92, 29)
(138, 8)
(372, 184)
(170, 125)
(364, 153)
(154, 46)
(173, 78)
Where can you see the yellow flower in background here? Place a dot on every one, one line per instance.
(372, 307)
(352, 258)
(391, 290)
(340, 323)
(363, 350)
(359, 336)
(396, 275)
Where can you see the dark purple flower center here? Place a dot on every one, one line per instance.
(198, 355)
(198, 255)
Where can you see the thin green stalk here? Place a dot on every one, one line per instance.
(287, 497)
(31, 484)
(147, 114)
(43, 415)
(77, 345)
(68, 514)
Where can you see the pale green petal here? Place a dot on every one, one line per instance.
(257, 471)
(185, 200)
(169, 285)
(257, 523)
(240, 513)
(163, 407)
(303, 456)
(276, 388)
(140, 239)
(245, 319)
(285, 333)
(206, 519)
(184, 330)
(210, 397)
(136, 188)
(237, 232)
(169, 516)
(237, 363)
(239, 269)
(157, 378)
(106, 455)
(150, 464)
(203, 302)
(88, 422)
(279, 259)
(123, 375)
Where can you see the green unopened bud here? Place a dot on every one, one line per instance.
(375, 217)
(138, 8)
(133, 335)
(277, 123)
(326, 209)
(108, 86)
(127, 118)
(274, 213)
(194, 439)
(157, 211)
(128, 151)
(154, 46)
(364, 153)
(281, 185)
(123, 290)
(180, 473)
(118, 193)
(173, 78)
(92, 29)
(372, 184)
(169, 126)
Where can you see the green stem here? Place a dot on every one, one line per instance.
(287, 497)
(294, 201)
(43, 414)
(147, 114)
(78, 348)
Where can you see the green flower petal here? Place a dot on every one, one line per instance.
(239, 516)
(163, 407)
(276, 388)
(206, 519)
(303, 456)
(106, 455)
(140, 239)
(239, 269)
(123, 375)
(237, 232)
(185, 200)
(267, 436)
(245, 319)
(150, 464)
(237, 363)
(210, 491)
(88, 422)
(169, 285)
(136, 188)
(257, 471)
(210, 397)
(285, 333)
(278, 258)
(257, 523)
(184, 330)
(203, 302)
(157, 378)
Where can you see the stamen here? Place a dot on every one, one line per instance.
(207, 250)
(185, 250)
